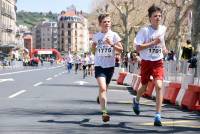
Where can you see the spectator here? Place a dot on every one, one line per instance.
(171, 56)
(187, 50)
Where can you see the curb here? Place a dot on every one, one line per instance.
(119, 87)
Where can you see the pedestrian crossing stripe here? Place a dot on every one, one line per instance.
(174, 123)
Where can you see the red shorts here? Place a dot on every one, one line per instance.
(151, 68)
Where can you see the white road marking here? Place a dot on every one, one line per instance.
(16, 94)
(81, 82)
(24, 71)
(4, 80)
(49, 78)
(117, 90)
(56, 75)
(37, 84)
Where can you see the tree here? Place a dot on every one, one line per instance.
(124, 15)
(196, 26)
(195, 32)
(181, 9)
(128, 16)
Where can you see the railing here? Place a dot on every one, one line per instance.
(175, 71)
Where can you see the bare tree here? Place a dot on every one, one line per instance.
(180, 8)
(128, 16)
(196, 26)
(124, 12)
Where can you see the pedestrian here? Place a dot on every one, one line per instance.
(76, 60)
(69, 61)
(105, 44)
(193, 64)
(187, 50)
(171, 56)
(90, 64)
(150, 44)
(84, 61)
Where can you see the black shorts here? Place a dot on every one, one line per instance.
(104, 72)
(84, 67)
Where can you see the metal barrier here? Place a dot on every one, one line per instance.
(175, 71)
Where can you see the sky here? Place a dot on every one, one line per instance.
(56, 6)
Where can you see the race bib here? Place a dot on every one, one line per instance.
(155, 52)
(104, 51)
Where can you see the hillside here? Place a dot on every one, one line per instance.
(30, 19)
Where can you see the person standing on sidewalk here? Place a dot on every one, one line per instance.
(150, 44)
(105, 43)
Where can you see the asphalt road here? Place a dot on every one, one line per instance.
(48, 100)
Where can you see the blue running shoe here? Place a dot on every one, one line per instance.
(136, 106)
(157, 120)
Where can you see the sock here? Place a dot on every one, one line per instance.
(104, 110)
(157, 116)
(136, 100)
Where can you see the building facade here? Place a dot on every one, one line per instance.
(7, 24)
(45, 35)
(73, 32)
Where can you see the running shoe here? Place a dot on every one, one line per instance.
(98, 100)
(105, 116)
(157, 120)
(136, 106)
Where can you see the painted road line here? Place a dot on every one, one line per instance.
(31, 70)
(16, 94)
(174, 123)
(49, 78)
(37, 84)
(81, 82)
(56, 75)
(117, 90)
(8, 79)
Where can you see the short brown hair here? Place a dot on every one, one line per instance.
(153, 9)
(102, 16)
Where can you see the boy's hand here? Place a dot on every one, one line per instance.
(108, 41)
(156, 41)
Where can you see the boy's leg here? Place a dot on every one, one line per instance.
(136, 106)
(159, 95)
(103, 98)
(159, 99)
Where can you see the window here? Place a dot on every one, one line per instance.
(62, 33)
(62, 25)
(69, 33)
(75, 33)
(69, 40)
(69, 25)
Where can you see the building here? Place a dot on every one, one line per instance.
(73, 32)
(7, 25)
(28, 42)
(45, 35)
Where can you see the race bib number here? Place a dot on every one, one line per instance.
(155, 52)
(104, 51)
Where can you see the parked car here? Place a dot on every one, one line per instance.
(4, 59)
